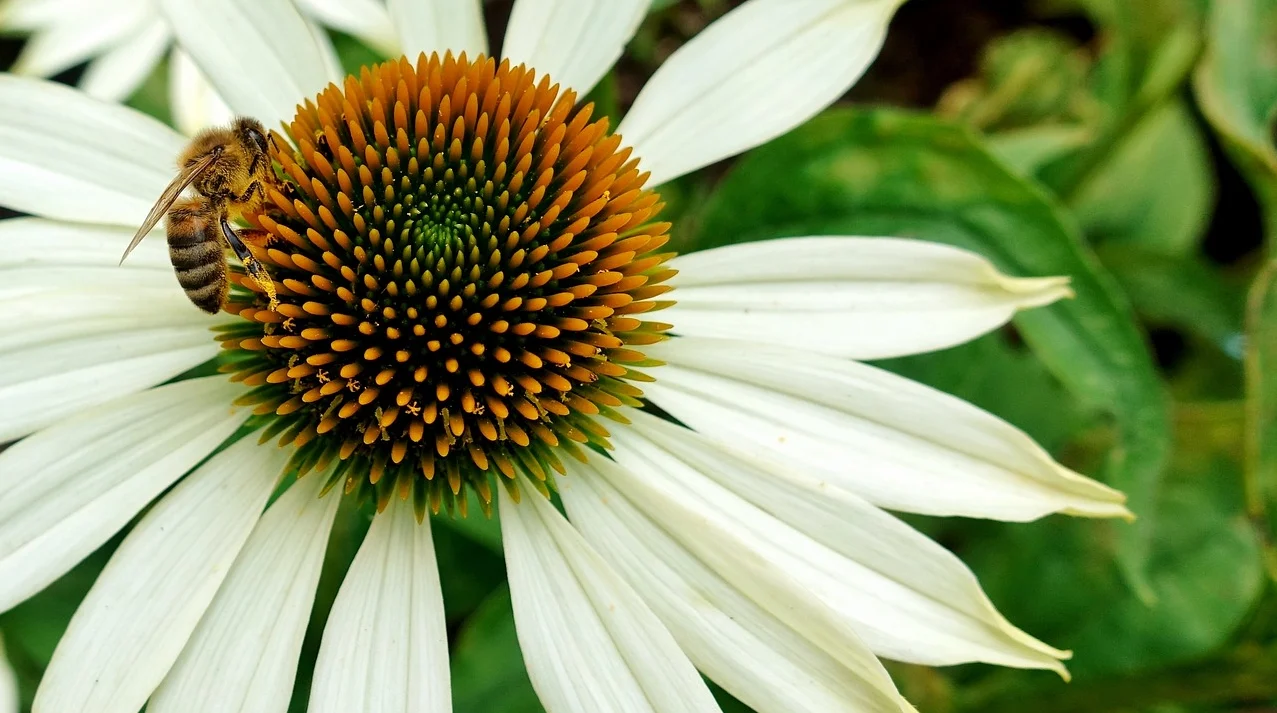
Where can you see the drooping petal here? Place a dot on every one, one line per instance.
(736, 642)
(78, 33)
(761, 70)
(68, 488)
(194, 102)
(262, 56)
(139, 614)
(575, 42)
(116, 74)
(9, 702)
(115, 161)
(908, 598)
(589, 642)
(385, 647)
(863, 298)
(243, 655)
(366, 19)
(897, 443)
(439, 26)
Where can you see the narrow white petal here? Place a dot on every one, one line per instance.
(40, 244)
(118, 73)
(9, 702)
(439, 26)
(736, 642)
(898, 444)
(262, 56)
(575, 42)
(907, 597)
(115, 161)
(864, 298)
(139, 614)
(243, 655)
(194, 102)
(71, 38)
(761, 70)
(385, 648)
(96, 472)
(47, 383)
(37, 314)
(366, 19)
(31, 15)
(589, 642)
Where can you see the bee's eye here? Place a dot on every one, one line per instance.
(257, 138)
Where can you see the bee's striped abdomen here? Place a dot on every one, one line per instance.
(195, 249)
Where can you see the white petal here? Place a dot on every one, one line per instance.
(243, 655)
(194, 102)
(589, 642)
(897, 443)
(864, 298)
(908, 598)
(385, 647)
(119, 72)
(761, 70)
(41, 244)
(98, 470)
(44, 385)
(139, 614)
(83, 334)
(439, 26)
(734, 641)
(575, 42)
(115, 161)
(31, 15)
(73, 37)
(37, 314)
(262, 56)
(9, 702)
(366, 19)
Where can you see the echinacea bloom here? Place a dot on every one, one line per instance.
(124, 40)
(474, 298)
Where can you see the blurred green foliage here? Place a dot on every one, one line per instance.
(1105, 155)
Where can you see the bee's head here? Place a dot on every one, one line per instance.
(251, 133)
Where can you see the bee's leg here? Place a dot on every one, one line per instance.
(252, 265)
(254, 187)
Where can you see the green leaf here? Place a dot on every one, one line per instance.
(1205, 571)
(890, 173)
(1149, 50)
(488, 675)
(1027, 150)
(477, 526)
(1179, 292)
(1156, 189)
(468, 571)
(1236, 86)
(1261, 409)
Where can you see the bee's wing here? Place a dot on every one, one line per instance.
(168, 198)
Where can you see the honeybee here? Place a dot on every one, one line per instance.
(227, 167)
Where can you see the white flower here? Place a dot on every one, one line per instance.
(749, 545)
(124, 40)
